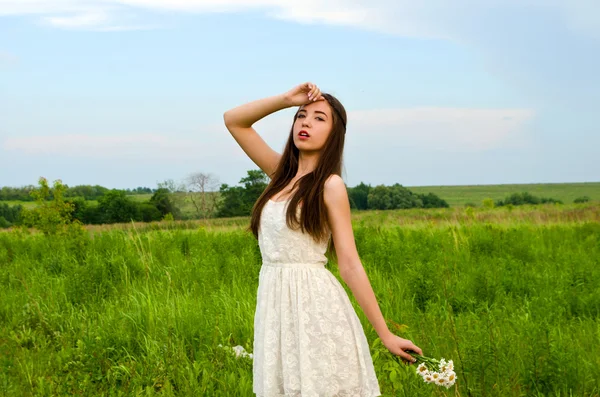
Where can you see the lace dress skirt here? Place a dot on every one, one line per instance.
(308, 340)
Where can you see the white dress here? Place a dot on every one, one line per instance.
(308, 340)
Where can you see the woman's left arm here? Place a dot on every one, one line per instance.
(351, 268)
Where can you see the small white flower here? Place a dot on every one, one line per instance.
(422, 369)
(239, 351)
(428, 378)
(441, 381)
(450, 379)
(450, 365)
(443, 365)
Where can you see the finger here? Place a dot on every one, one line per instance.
(418, 350)
(306, 87)
(415, 349)
(311, 94)
(317, 94)
(407, 356)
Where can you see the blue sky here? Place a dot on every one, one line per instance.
(127, 93)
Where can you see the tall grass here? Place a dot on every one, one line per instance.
(131, 312)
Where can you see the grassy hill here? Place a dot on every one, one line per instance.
(463, 194)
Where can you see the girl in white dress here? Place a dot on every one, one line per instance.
(308, 340)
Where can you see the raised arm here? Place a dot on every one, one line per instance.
(239, 122)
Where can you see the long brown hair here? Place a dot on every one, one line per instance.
(313, 217)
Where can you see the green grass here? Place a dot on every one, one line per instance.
(461, 195)
(512, 296)
(25, 204)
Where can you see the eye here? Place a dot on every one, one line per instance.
(320, 118)
(300, 116)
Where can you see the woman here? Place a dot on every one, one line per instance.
(308, 340)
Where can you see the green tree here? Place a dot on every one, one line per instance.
(118, 208)
(161, 199)
(383, 197)
(359, 196)
(239, 200)
(232, 201)
(49, 216)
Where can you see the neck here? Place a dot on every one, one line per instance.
(307, 163)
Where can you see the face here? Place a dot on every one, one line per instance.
(316, 120)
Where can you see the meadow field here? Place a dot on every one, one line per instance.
(511, 295)
(463, 194)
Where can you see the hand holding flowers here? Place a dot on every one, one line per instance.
(440, 372)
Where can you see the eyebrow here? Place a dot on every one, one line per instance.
(316, 111)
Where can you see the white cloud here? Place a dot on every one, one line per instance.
(427, 18)
(138, 147)
(99, 15)
(379, 130)
(448, 129)
(98, 20)
(79, 20)
(534, 45)
(440, 128)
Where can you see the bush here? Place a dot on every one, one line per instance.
(583, 199)
(545, 200)
(488, 203)
(431, 200)
(11, 214)
(525, 198)
(4, 223)
(149, 212)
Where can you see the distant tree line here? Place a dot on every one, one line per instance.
(87, 192)
(99, 205)
(115, 206)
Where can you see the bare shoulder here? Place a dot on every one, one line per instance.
(335, 192)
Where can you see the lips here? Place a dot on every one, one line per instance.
(302, 132)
